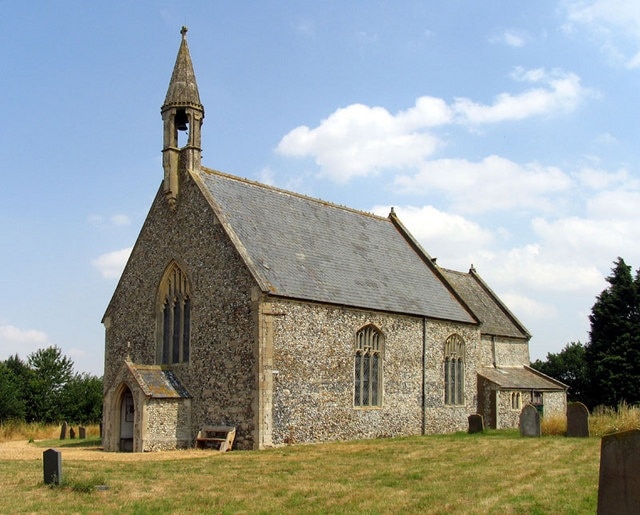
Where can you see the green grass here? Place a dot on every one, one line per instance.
(494, 472)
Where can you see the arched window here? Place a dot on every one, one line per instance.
(368, 367)
(516, 400)
(454, 370)
(173, 316)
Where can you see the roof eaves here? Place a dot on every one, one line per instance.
(473, 273)
(263, 283)
(430, 262)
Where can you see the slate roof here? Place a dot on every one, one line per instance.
(495, 317)
(157, 382)
(520, 378)
(304, 248)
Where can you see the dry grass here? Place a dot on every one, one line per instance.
(554, 425)
(609, 420)
(18, 430)
(492, 472)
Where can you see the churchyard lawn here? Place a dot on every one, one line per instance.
(492, 472)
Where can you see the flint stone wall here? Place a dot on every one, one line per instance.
(313, 353)
(221, 374)
(168, 424)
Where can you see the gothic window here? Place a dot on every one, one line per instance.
(454, 370)
(173, 317)
(516, 400)
(368, 367)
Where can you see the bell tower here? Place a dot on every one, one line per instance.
(181, 111)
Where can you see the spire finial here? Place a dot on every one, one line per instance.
(184, 31)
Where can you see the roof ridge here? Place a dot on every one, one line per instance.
(317, 200)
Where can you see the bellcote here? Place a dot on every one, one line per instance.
(181, 111)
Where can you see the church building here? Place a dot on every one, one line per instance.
(295, 320)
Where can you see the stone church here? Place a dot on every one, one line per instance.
(295, 320)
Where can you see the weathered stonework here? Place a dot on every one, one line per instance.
(221, 372)
(278, 368)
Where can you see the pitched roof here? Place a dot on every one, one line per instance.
(299, 247)
(158, 382)
(520, 378)
(183, 88)
(495, 317)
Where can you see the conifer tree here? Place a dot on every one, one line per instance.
(613, 352)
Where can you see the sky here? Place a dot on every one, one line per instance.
(504, 134)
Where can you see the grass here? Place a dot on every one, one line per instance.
(30, 431)
(493, 472)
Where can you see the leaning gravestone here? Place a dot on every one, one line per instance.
(577, 420)
(530, 421)
(619, 485)
(476, 424)
(82, 432)
(63, 431)
(52, 465)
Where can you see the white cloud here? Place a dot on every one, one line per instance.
(559, 92)
(514, 40)
(359, 140)
(15, 340)
(493, 184)
(446, 233)
(615, 24)
(597, 179)
(112, 264)
(120, 219)
(518, 303)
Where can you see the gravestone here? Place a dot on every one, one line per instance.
(63, 431)
(619, 485)
(530, 421)
(577, 420)
(52, 466)
(82, 432)
(476, 424)
(72, 433)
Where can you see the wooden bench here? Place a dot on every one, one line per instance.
(220, 437)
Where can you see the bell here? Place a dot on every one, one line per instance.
(181, 121)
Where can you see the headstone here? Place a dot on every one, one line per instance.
(72, 433)
(530, 421)
(63, 431)
(52, 465)
(619, 485)
(82, 432)
(577, 420)
(476, 424)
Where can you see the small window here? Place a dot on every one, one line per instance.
(516, 400)
(536, 398)
(454, 370)
(173, 317)
(368, 367)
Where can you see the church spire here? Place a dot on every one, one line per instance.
(181, 111)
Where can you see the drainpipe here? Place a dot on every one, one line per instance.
(424, 375)
(493, 350)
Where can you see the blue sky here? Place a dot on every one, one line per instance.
(503, 133)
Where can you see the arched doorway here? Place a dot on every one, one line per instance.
(127, 413)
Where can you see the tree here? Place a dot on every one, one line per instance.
(12, 406)
(613, 352)
(82, 399)
(568, 366)
(51, 372)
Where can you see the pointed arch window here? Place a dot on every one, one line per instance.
(173, 317)
(454, 370)
(368, 367)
